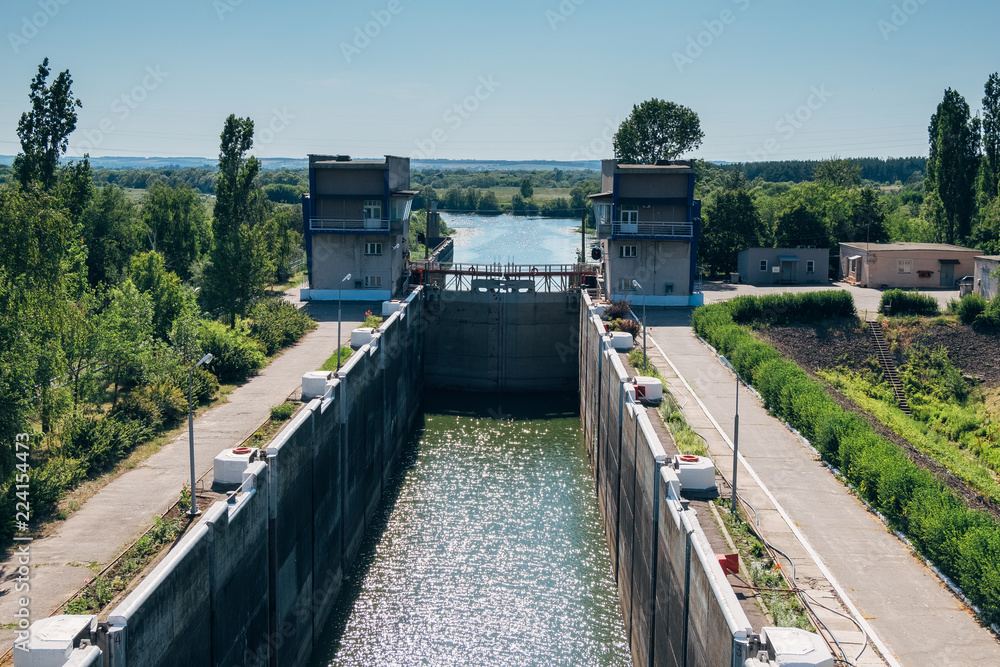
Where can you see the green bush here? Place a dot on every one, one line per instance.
(52, 479)
(204, 386)
(908, 303)
(618, 310)
(963, 543)
(280, 413)
(237, 356)
(969, 308)
(276, 324)
(156, 406)
(100, 442)
(990, 317)
(629, 326)
(789, 308)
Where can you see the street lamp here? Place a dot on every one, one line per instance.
(207, 359)
(340, 302)
(736, 436)
(635, 284)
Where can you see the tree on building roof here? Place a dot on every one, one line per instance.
(657, 130)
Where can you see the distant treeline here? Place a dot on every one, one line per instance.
(443, 179)
(890, 170)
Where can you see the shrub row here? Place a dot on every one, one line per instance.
(242, 350)
(791, 308)
(275, 324)
(963, 543)
(902, 302)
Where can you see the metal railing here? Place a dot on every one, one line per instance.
(646, 228)
(349, 224)
(511, 277)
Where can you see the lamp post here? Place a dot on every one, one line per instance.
(736, 437)
(193, 510)
(635, 283)
(340, 302)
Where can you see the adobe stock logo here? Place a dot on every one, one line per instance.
(455, 117)
(714, 28)
(792, 122)
(121, 108)
(363, 35)
(900, 16)
(31, 25)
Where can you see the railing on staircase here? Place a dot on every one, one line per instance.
(888, 364)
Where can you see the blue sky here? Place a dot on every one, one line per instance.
(520, 79)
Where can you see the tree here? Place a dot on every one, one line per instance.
(527, 189)
(799, 225)
(657, 130)
(868, 217)
(167, 295)
(517, 204)
(991, 135)
(113, 233)
(953, 164)
(44, 131)
(732, 224)
(241, 263)
(125, 328)
(286, 243)
(76, 188)
(177, 226)
(843, 173)
(488, 203)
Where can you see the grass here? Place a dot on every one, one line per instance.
(785, 609)
(101, 590)
(294, 281)
(687, 441)
(878, 400)
(331, 363)
(504, 194)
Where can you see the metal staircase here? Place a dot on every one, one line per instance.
(888, 364)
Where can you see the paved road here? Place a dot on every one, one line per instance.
(123, 510)
(919, 620)
(865, 298)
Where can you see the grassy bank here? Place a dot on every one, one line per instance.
(963, 543)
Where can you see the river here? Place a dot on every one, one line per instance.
(492, 551)
(505, 238)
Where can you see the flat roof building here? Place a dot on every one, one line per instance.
(906, 265)
(648, 225)
(356, 221)
(784, 266)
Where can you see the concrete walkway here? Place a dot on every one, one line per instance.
(912, 614)
(124, 509)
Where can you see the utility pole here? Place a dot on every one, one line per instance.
(427, 229)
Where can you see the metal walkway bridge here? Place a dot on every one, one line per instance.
(506, 277)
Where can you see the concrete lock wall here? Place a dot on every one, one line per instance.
(253, 582)
(502, 341)
(679, 609)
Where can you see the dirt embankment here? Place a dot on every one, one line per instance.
(847, 344)
(977, 353)
(828, 345)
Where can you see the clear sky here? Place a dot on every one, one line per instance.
(518, 79)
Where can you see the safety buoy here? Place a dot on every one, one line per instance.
(688, 458)
(534, 271)
(242, 450)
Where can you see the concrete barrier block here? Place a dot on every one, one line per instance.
(361, 337)
(229, 465)
(53, 640)
(390, 307)
(314, 384)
